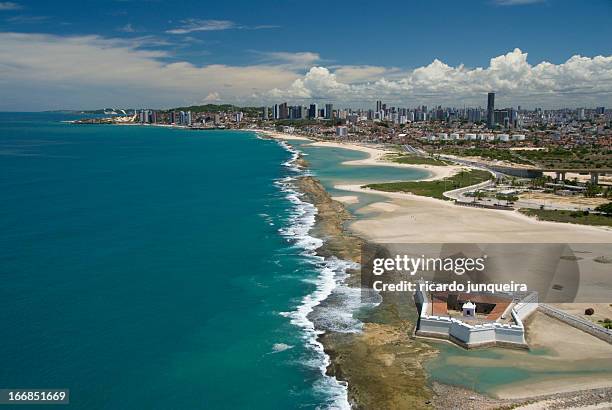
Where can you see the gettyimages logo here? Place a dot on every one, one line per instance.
(557, 272)
(412, 265)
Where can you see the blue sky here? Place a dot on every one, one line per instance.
(295, 36)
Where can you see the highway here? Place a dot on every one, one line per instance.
(460, 193)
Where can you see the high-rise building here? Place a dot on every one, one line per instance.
(265, 113)
(329, 108)
(341, 131)
(312, 111)
(473, 114)
(297, 112)
(490, 110)
(378, 105)
(184, 118)
(500, 116)
(283, 111)
(276, 112)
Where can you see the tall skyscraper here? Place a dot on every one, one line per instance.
(312, 111)
(378, 106)
(283, 111)
(297, 112)
(265, 113)
(491, 110)
(329, 108)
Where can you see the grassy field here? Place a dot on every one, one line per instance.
(488, 153)
(574, 217)
(416, 160)
(435, 189)
(576, 158)
(549, 158)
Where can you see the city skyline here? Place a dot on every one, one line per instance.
(126, 55)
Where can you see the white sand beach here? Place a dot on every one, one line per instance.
(280, 135)
(419, 219)
(347, 200)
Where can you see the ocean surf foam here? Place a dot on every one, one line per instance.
(330, 281)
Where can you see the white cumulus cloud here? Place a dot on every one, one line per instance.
(43, 71)
(212, 97)
(578, 81)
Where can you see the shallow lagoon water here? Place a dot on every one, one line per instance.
(326, 165)
(488, 370)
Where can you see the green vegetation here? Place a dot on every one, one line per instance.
(415, 159)
(295, 123)
(546, 158)
(507, 198)
(607, 323)
(250, 111)
(488, 153)
(100, 111)
(575, 158)
(576, 217)
(435, 189)
(592, 190)
(605, 208)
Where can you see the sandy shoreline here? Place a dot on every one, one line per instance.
(429, 220)
(376, 158)
(376, 155)
(279, 135)
(407, 218)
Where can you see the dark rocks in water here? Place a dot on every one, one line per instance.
(602, 259)
(383, 363)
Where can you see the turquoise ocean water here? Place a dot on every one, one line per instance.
(145, 267)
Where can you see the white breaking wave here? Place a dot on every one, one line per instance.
(280, 347)
(332, 273)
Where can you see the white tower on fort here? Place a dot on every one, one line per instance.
(469, 309)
